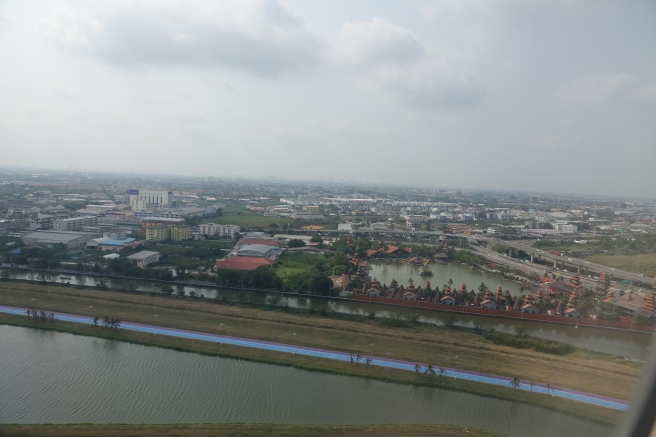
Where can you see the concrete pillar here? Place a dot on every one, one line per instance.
(578, 269)
(532, 258)
(555, 264)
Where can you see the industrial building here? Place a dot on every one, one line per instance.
(143, 258)
(69, 238)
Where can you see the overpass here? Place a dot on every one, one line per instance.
(572, 264)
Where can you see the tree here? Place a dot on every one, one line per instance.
(320, 284)
(296, 243)
(5, 275)
(96, 319)
(274, 300)
(181, 292)
(102, 283)
(520, 331)
(316, 239)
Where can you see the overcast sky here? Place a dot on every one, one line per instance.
(546, 95)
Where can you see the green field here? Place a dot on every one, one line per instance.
(235, 214)
(639, 263)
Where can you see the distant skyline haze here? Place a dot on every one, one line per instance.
(543, 95)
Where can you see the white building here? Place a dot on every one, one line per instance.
(150, 197)
(220, 230)
(74, 223)
(414, 218)
(566, 228)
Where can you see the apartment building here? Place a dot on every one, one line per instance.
(74, 223)
(220, 230)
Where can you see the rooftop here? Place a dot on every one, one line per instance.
(243, 263)
(142, 255)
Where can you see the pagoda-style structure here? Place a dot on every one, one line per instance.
(411, 285)
(573, 297)
(603, 283)
(649, 303)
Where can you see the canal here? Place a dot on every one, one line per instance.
(51, 377)
(634, 345)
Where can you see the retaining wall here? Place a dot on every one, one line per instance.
(623, 323)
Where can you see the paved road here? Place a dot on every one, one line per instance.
(343, 356)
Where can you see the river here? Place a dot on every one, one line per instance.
(51, 377)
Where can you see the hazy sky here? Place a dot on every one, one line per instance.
(548, 95)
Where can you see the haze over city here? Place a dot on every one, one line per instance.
(555, 96)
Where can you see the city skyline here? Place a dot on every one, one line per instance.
(553, 97)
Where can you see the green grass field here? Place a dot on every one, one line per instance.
(639, 263)
(236, 214)
(290, 264)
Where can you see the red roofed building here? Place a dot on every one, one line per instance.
(243, 263)
(266, 242)
(371, 252)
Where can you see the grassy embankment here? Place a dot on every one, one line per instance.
(235, 429)
(424, 344)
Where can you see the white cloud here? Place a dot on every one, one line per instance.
(375, 42)
(419, 74)
(262, 37)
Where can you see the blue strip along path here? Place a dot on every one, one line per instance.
(342, 356)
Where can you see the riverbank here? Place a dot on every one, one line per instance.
(441, 347)
(235, 429)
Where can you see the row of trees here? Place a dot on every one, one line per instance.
(40, 315)
(109, 322)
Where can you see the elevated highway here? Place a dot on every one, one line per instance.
(570, 264)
